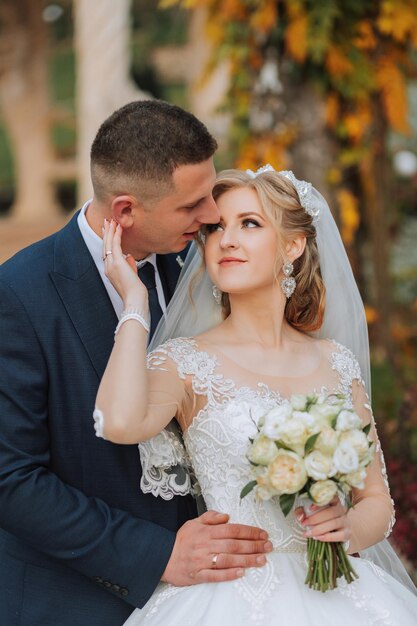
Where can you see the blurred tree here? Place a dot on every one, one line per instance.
(26, 107)
(317, 86)
(102, 34)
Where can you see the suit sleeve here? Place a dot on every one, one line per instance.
(36, 506)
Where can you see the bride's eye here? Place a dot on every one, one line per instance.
(250, 223)
(211, 228)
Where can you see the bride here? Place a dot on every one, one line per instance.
(285, 292)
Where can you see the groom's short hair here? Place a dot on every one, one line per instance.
(138, 147)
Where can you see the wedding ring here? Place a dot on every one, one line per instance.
(214, 560)
(108, 252)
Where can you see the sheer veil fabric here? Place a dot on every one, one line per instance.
(344, 321)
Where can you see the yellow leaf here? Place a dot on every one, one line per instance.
(357, 122)
(349, 214)
(399, 19)
(265, 18)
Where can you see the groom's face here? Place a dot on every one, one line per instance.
(171, 222)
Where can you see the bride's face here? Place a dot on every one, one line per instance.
(241, 250)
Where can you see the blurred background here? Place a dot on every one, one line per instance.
(327, 89)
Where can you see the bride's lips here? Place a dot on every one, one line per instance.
(230, 260)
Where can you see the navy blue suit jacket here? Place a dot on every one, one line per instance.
(80, 544)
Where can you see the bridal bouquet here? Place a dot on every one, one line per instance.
(312, 447)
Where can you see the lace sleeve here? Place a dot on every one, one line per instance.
(166, 468)
(374, 502)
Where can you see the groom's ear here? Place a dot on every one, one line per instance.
(125, 209)
(295, 247)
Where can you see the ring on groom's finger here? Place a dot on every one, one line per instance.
(214, 560)
(108, 252)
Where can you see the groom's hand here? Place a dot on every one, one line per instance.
(208, 549)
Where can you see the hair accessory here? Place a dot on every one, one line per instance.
(217, 294)
(303, 188)
(288, 283)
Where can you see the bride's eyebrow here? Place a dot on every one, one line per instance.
(251, 213)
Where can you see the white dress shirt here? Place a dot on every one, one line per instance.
(94, 244)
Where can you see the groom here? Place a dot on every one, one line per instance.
(80, 544)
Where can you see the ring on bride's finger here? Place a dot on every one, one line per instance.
(214, 560)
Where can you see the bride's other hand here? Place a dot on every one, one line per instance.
(208, 549)
(120, 269)
(329, 523)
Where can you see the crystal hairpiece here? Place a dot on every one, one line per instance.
(303, 188)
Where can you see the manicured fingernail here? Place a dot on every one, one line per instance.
(264, 535)
(268, 546)
(261, 560)
(240, 572)
(308, 533)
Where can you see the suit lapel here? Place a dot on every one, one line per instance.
(83, 295)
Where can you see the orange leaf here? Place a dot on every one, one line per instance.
(332, 110)
(394, 94)
(349, 214)
(365, 39)
(296, 37)
(337, 63)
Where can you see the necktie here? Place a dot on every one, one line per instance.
(147, 275)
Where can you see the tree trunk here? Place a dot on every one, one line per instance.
(102, 34)
(25, 105)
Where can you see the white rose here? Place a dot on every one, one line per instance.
(323, 491)
(348, 420)
(318, 465)
(287, 473)
(325, 412)
(358, 440)
(263, 450)
(274, 419)
(345, 459)
(298, 402)
(311, 422)
(327, 441)
(356, 479)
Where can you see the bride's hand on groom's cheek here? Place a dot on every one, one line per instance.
(121, 269)
(208, 549)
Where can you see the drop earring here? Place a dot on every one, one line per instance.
(217, 294)
(288, 283)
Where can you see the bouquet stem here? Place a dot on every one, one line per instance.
(327, 561)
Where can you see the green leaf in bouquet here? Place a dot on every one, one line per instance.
(286, 502)
(334, 421)
(366, 429)
(254, 464)
(248, 488)
(310, 443)
(282, 446)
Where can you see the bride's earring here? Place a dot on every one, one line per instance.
(217, 294)
(288, 283)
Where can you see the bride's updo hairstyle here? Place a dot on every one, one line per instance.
(281, 205)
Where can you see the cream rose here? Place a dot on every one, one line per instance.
(348, 420)
(263, 450)
(356, 479)
(287, 473)
(324, 412)
(294, 433)
(345, 459)
(323, 491)
(327, 441)
(318, 465)
(274, 419)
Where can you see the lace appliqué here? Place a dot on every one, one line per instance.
(166, 468)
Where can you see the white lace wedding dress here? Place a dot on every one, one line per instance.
(218, 402)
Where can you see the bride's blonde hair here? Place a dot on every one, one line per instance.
(281, 205)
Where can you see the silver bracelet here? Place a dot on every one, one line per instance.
(132, 314)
